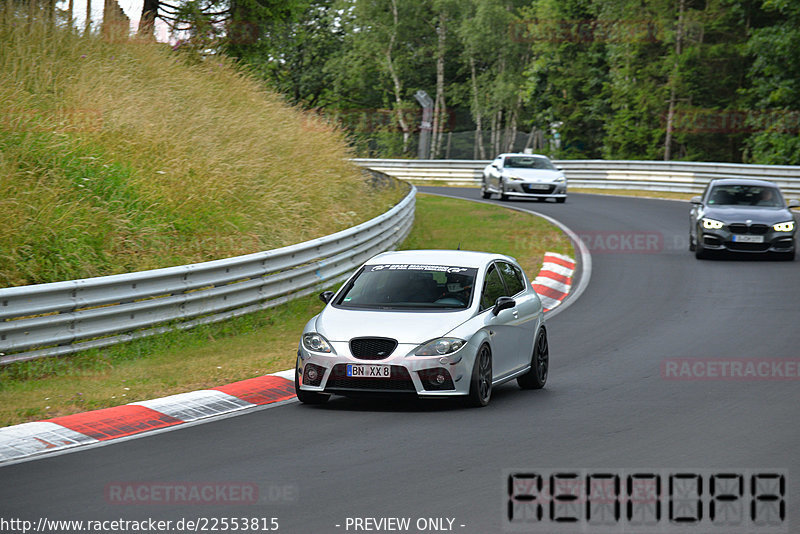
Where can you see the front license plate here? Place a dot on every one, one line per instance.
(748, 238)
(539, 187)
(368, 371)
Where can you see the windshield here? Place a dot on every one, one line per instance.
(522, 162)
(401, 286)
(745, 195)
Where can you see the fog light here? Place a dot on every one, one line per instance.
(439, 379)
(311, 374)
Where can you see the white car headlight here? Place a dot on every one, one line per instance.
(787, 226)
(712, 224)
(512, 177)
(560, 179)
(440, 346)
(316, 343)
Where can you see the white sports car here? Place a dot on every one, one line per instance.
(430, 323)
(524, 175)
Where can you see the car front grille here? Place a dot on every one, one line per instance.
(372, 348)
(747, 247)
(530, 189)
(399, 382)
(756, 229)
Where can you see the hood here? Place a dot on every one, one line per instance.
(338, 324)
(534, 175)
(740, 214)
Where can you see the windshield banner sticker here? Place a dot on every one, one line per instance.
(413, 267)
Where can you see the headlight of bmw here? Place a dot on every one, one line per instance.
(712, 224)
(440, 346)
(316, 343)
(787, 226)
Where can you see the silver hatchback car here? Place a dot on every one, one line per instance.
(430, 323)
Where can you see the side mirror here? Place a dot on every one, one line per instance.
(495, 165)
(559, 168)
(696, 200)
(503, 303)
(326, 296)
(794, 203)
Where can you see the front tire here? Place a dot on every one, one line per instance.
(480, 389)
(503, 195)
(699, 251)
(536, 378)
(308, 397)
(484, 192)
(561, 200)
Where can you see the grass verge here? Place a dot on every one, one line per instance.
(120, 156)
(252, 345)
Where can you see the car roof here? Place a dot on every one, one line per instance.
(455, 258)
(522, 155)
(743, 181)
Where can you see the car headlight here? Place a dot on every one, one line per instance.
(560, 179)
(316, 343)
(440, 346)
(712, 224)
(512, 177)
(787, 226)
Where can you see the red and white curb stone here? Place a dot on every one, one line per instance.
(60, 433)
(554, 280)
(30, 439)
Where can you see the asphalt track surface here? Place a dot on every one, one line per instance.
(606, 405)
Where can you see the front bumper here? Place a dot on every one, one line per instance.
(536, 189)
(726, 240)
(412, 375)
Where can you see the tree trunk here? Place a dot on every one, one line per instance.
(398, 88)
(478, 149)
(674, 82)
(497, 124)
(511, 126)
(439, 106)
(147, 24)
(87, 28)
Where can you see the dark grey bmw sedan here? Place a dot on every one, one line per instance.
(741, 215)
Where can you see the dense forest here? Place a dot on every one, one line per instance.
(705, 80)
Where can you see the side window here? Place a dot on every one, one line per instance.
(704, 196)
(512, 277)
(492, 288)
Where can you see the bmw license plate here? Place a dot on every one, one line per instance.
(748, 238)
(368, 371)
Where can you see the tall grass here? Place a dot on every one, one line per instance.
(124, 156)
